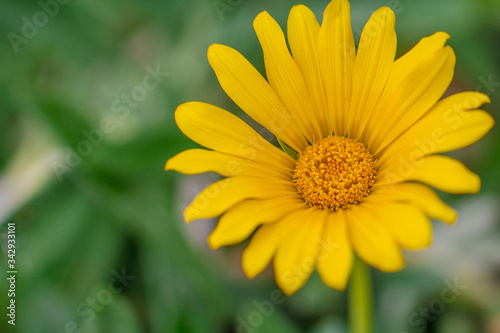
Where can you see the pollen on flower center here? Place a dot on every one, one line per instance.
(334, 173)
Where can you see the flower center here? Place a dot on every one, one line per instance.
(334, 173)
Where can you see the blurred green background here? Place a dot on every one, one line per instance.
(101, 244)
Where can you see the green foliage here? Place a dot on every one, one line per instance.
(112, 208)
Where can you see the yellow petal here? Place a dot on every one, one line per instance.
(374, 60)
(335, 256)
(296, 255)
(336, 54)
(447, 174)
(241, 220)
(417, 81)
(451, 124)
(303, 37)
(418, 194)
(220, 130)
(251, 92)
(223, 194)
(264, 243)
(284, 75)
(408, 225)
(441, 172)
(372, 240)
(195, 161)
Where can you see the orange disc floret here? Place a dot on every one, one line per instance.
(334, 173)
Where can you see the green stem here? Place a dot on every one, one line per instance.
(360, 299)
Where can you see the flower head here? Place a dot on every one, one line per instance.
(360, 135)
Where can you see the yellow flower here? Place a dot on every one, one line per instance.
(362, 132)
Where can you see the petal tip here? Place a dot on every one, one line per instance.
(217, 52)
(442, 35)
(247, 266)
(214, 46)
(212, 242)
(188, 215)
(261, 16)
(286, 291)
(386, 10)
(295, 7)
(391, 266)
(452, 218)
(338, 284)
(212, 49)
(288, 286)
(250, 274)
(492, 121)
(487, 99)
(477, 185)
